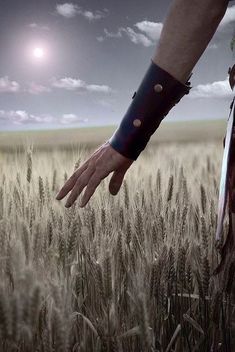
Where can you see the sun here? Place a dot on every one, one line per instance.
(38, 53)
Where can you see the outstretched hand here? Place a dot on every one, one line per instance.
(104, 160)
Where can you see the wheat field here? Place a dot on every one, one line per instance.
(129, 273)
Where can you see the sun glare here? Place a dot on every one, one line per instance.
(38, 53)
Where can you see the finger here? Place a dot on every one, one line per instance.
(90, 189)
(116, 181)
(81, 182)
(71, 182)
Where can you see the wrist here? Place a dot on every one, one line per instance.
(157, 94)
(179, 72)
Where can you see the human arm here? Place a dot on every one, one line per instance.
(182, 41)
(187, 30)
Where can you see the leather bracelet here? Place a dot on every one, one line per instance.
(158, 92)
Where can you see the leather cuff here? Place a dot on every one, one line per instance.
(158, 92)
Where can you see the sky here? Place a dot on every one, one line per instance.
(77, 64)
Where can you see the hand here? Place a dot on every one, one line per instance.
(104, 160)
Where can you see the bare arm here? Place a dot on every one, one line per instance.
(187, 30)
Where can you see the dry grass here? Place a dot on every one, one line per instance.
(126, 273)
(187, 131)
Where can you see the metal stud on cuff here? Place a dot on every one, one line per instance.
(137, 123)
(157, 94)
(158, 88)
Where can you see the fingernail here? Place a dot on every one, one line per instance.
(67, 205)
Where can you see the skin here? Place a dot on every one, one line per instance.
(177, 52)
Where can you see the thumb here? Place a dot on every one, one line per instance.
(116, 181)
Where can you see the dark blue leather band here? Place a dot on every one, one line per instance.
(156, 95)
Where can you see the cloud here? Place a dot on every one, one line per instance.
(110, 35)
(36, 89)
(92, 16)
(22, 117)
(98, 88)
(114, 35)
(138, 38)
(212, 46)
(229, 17)
(71, 118)
(70, 10)
(38, 26)
(7, 86)
(149, 33)
(151, 29)
(225, 30)
(135, 37)
(100, 38)
(217, 89)
(67, 10)
(69, 83)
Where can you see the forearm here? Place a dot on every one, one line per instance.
(187, 30)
